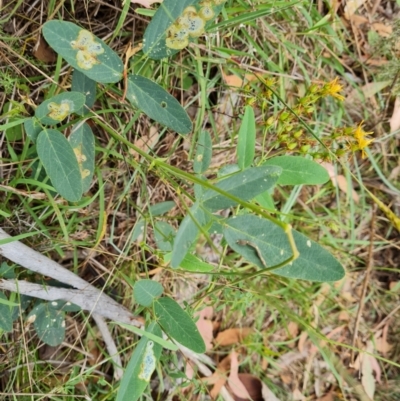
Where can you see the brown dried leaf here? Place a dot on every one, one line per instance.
(205, 326)
(235, 384)
(43, 52)
(233, 336)
(395, 119)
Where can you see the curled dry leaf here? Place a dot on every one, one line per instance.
(205, 326)
(43, 52)
(233, 336)
(235, 384)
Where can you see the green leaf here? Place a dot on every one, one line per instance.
(56, 109)
(140, 367)
(33, 128)
(265, 244)
(164, 235)
(83, 84)
(145, 291)
(49, 323)
(82, 143)
(245, 185)
(203, 155)
(178, 324)
(187, 234)
(60, 163)
(297, 170)
(191, 263)
(7, 271)
(158, 104)
(164, 343)
(84, 51)
(161, 208)
(5, 314)
(247, 139)
(154, 41)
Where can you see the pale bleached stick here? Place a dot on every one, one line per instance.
(101, 303)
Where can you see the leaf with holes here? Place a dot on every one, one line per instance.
(5, 314)
(84, 51)
(49, 323)
(60, 163)
(158, 104)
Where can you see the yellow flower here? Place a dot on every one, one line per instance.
(359, 136)
(333, 88)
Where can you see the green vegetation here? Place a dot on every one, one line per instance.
(220, 160)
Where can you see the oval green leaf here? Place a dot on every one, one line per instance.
(56, 109)
(265, 244)
(187, 234)
(49, 324)
(84, 51)
(33, 128)
(245, 185)
(83, 84)
(158, 104)
(246, 139)
(297, 170)
(178, 324)
(140, 367)
(6, 322)
(145, 291)
(203, 155)
(60, 163)
(164, 235)
(82, 143)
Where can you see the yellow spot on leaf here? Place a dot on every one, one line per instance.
(59, 111)
(88, 50)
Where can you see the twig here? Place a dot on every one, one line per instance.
(365, 284)
(110, 345)
(100, 303)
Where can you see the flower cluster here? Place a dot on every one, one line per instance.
(296, 140)
(190, 24)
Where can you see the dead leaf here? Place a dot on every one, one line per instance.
(235, 384)
(145, 142)
(298, 395)
(205, 326)
(368, 90)
(267, 394)
(43, 52)
(395, 119)
(253, 386)
(382, 29)
(340, 181)
(368, 379)
(327, 397)
(351, 7)
(232, 336)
